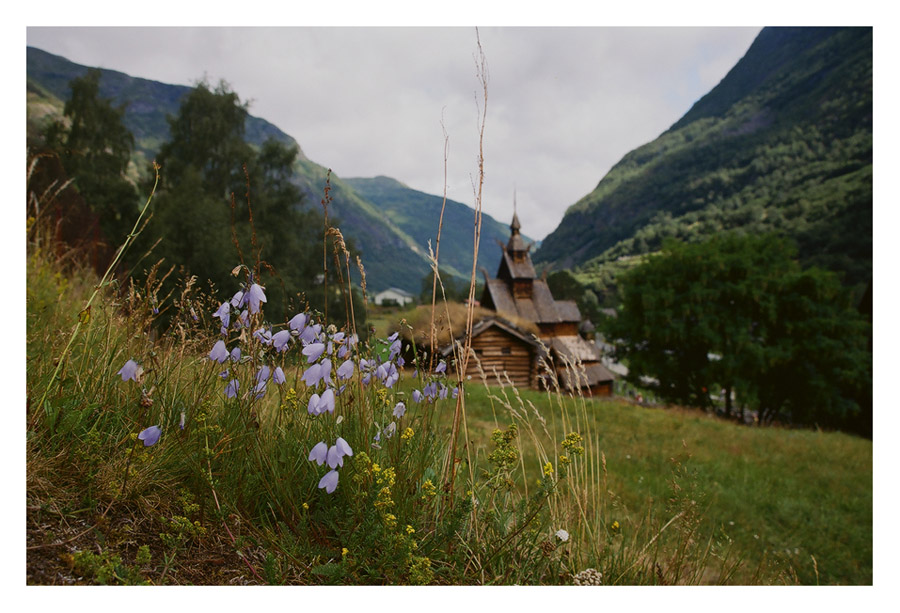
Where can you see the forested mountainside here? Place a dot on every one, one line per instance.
(783, 144)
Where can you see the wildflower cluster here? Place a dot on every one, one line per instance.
(504, 457)
(436, 387)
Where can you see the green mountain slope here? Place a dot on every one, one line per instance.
(783, 143)
(390, 256)
(418, 215)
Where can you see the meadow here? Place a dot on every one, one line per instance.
(156, 455)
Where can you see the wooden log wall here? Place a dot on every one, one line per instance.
(504, 353)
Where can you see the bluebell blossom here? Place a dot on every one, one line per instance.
(417, 396)
(325, 371)
(243, 320)
(312, 375)
(393, 337)
(391, 429)
(442, 367)
(343, 447)
(455, 392)
(132, 370)
(181, 421)
(326, 403)
(329, 481)
(232, 388)
(430, 390)
(278, 375)
(260, 390)
(318, 372)
(400, 361)
(262, 374)
(238, 300)
(399, 410)
(334, 458)
(312, 406)
(345, 370)
(310, 334)
(224, 374)
(281, 339)
(336, 453)
(256, 295)
(150, 435)
(313, 351)
(224, 314)
(264, 336)
(395, 350)
(219, 353)
(235, 354)
(319, 453)
(298, 322)
(443, 393)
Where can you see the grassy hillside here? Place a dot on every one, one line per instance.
(783, 144)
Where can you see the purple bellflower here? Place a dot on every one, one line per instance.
(298, 322)
(417, 396)
(132, 370)
(313, 406)
(345, 370)
(326, 403)
(319, 453)
(224, 313)
(278, 375)
(329, 481)
(150, 435)
(256, 295)
(235, 354)
(313, 351)
(442, 367)
(219, 353)
(232, 388)
(399, 410)
(280, 340)
(262, 374)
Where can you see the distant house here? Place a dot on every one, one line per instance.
(393, 296)
(517, 293)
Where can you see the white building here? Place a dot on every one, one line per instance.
(393, 296)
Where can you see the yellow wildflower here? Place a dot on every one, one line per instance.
(407, 434)
(410, 529)
(548, 469)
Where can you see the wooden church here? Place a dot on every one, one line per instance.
(551, 338)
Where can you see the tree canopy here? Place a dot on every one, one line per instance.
(222, 202)
(94, 147)
(738, 313)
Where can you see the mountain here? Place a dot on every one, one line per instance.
(390, 256)
(418, 215)
(783, 143)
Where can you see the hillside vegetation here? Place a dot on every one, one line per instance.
(782, 144)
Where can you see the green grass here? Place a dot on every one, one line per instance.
(658, 496)
(783, 496)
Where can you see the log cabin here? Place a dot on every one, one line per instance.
(517, 294)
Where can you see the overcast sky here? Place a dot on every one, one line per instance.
(564, 104)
